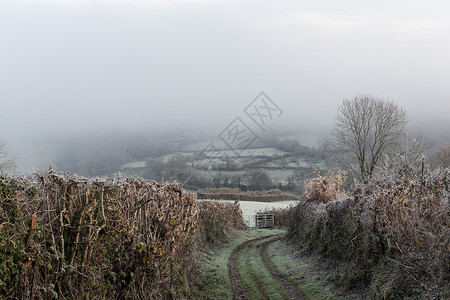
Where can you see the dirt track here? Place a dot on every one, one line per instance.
(239, 290)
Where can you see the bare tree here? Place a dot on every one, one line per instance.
(405, 161)
(6, 161)
(367, 127)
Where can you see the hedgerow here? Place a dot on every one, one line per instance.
(64, 236)
(390, 237)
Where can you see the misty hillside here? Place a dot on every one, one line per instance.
(208, 149)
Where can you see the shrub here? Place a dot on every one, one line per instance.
(64, 236)
(325, 188)
(393, 236)
(282, 216)
(217, 220)
(12, 254)
(74, 237)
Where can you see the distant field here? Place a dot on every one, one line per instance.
(293, 162)
(224, 173)
(251, 152)
(256, 152)
(277, 176)
(279, 165)
(251, 207)
(133, 165)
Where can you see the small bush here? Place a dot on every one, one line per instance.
(217, 220)
(325, 188)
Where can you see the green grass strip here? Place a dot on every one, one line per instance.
(311, 281)
(257, 280)
(214, 265)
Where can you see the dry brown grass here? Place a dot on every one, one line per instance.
(325, 188)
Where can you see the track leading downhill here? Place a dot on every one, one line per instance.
(262, 280)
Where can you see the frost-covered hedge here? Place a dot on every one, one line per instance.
(69, 237)
(391, 236)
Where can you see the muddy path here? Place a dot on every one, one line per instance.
(240, 290)
(233, 273)
(291, 288)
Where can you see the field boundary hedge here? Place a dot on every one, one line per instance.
(72, 237)
(390, 237)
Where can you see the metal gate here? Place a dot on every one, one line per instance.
(259, 220)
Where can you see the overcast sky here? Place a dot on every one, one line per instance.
(75, 65)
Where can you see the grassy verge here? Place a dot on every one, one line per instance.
(310, 277)
(214, 265)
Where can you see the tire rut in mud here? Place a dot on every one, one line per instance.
(233, 273)
(236, 282)
(291, 289)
